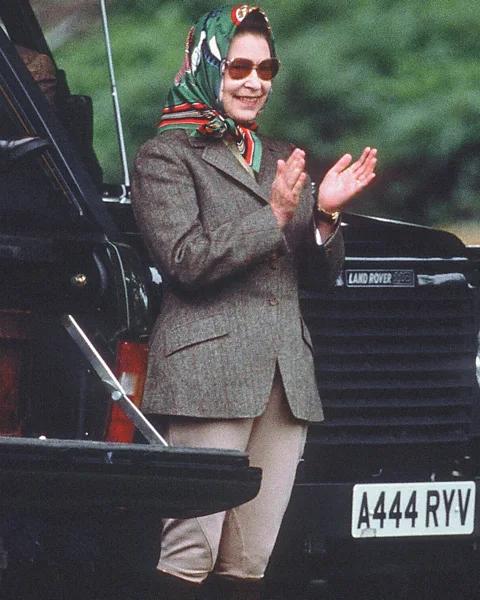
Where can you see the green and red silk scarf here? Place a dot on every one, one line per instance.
(193, 102)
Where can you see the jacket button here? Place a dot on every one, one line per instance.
(274, 261)
(273, 301)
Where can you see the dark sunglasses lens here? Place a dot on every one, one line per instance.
(240, 68)
(267, 69)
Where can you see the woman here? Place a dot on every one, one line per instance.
(229, 218)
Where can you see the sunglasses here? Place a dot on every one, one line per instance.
(240, 68)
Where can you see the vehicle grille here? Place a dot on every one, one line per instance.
(395, 365)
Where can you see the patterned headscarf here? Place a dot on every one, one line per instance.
(193, 102)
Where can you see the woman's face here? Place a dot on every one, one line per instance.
(244, 98)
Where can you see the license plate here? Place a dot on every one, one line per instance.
(413, 509)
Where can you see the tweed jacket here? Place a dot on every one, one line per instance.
(230, 310)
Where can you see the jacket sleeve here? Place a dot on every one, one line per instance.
(167, 210)
(328, 260)
(322, 263)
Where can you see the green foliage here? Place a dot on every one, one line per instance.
(399, 75)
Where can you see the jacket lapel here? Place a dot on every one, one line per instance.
(220, 157)
(268, 168)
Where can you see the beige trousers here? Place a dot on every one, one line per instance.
(238, 542)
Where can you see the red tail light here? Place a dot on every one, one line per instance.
(14, 334)
(131, 368)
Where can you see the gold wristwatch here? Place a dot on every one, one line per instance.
(325, 216)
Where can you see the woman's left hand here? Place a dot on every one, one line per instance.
(342, 182)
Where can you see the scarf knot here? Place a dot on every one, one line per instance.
(216, 125)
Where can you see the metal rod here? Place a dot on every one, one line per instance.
(117, 392)
(136, 416)
(116, 103)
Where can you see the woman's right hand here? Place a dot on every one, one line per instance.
(287, 185)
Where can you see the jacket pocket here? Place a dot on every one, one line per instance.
(194, 333)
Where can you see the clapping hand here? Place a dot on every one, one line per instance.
(287, 185)
(344, 180)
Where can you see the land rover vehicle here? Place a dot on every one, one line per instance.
(395, 342)
(75, 500)
(389, 482)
